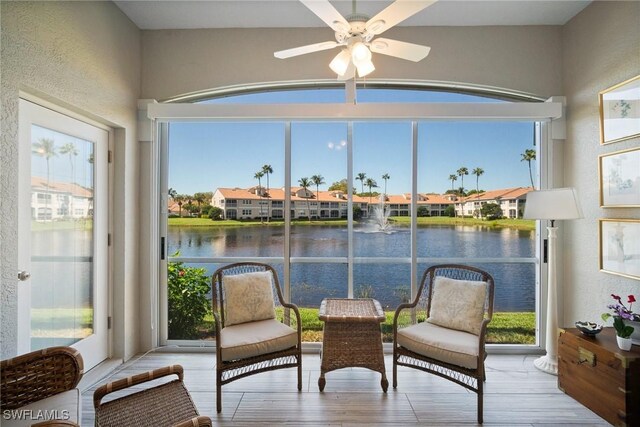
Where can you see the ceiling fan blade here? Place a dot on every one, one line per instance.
(301, 50)
(349, 74)
(325, 11)
(395, 13)
(408, 51)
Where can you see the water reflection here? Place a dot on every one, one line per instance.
(389, 283)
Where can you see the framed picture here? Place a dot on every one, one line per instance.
(620, 111)
(620, 247)
(619, 174)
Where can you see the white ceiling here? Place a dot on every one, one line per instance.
(180, 14)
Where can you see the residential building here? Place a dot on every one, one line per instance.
(510, 200)
(54, 200)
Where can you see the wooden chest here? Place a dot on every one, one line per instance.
(596, 373)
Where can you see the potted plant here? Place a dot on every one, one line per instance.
(621, 315)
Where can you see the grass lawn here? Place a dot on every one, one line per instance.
(505, 328)
(401, 221)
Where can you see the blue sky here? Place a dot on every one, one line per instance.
(205, 156)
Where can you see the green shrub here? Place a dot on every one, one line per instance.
(188, 288)
(215, 213)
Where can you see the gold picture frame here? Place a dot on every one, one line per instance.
(619, 178)
(620, 111)
(619, 247)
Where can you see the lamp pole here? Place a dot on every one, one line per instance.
(549, 362)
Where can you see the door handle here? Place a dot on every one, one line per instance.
(23, 275)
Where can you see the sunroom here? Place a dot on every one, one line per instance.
(141, 137)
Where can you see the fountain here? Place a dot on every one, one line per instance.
(380, 217)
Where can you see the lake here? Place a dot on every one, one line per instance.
(388, 283)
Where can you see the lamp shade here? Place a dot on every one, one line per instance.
(340, 63)
(365, 68)
(553, 204)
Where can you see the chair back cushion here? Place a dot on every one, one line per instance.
(458, 304)
(248, 297)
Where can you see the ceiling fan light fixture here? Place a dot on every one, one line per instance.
(365, 68)
(360, 53)
(340, 63)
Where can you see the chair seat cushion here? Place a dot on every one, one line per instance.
(255, 338)
(64, 406)
(446, 345)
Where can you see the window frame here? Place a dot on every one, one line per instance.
(542, 113)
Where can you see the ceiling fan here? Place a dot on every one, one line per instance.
(356, 35)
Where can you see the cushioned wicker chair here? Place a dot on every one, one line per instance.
(167, 404)
(451, 342)
(249, 339)
(43, 380)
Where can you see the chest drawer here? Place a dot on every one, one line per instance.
(596, 373)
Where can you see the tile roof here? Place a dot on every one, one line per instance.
(506, 193)
(76, 190)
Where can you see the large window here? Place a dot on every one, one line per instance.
(371, 205)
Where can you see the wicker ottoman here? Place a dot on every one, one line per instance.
(352, 336)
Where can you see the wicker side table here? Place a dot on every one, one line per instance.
(352, 336)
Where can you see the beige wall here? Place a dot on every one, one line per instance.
(526, 59)
(601, 48)
(85, 56)
(91, 57)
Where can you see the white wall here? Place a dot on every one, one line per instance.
(175, 62)
(85, 56)
(601, 48)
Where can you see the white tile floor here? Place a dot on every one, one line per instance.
(516, 394)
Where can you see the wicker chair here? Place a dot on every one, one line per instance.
(450, 346)
(167, 404)
(43, 380)
(252, 347)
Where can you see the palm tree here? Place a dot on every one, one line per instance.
(318, 180)
(461, 173)
(453, 178)
(268, 170)
(528, 156)
(70, 149)
(172, 193)
(370, 182)
(306, 183)
(258, 175)
(179, 199)
(477, 172)
(45, 147)
(199, 198)
(386, 177)
(361, 176)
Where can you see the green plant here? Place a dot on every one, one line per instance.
(216, 213)
(622, 330)
(491, 211)
(620, 312)
(188, 288)
(365, 291)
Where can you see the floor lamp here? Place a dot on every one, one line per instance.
(554, 204)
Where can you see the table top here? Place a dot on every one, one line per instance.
(351, 310)
(607, 339)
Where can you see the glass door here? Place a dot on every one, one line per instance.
(62, 229)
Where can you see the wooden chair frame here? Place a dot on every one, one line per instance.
(471, 379)
(231, 370)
